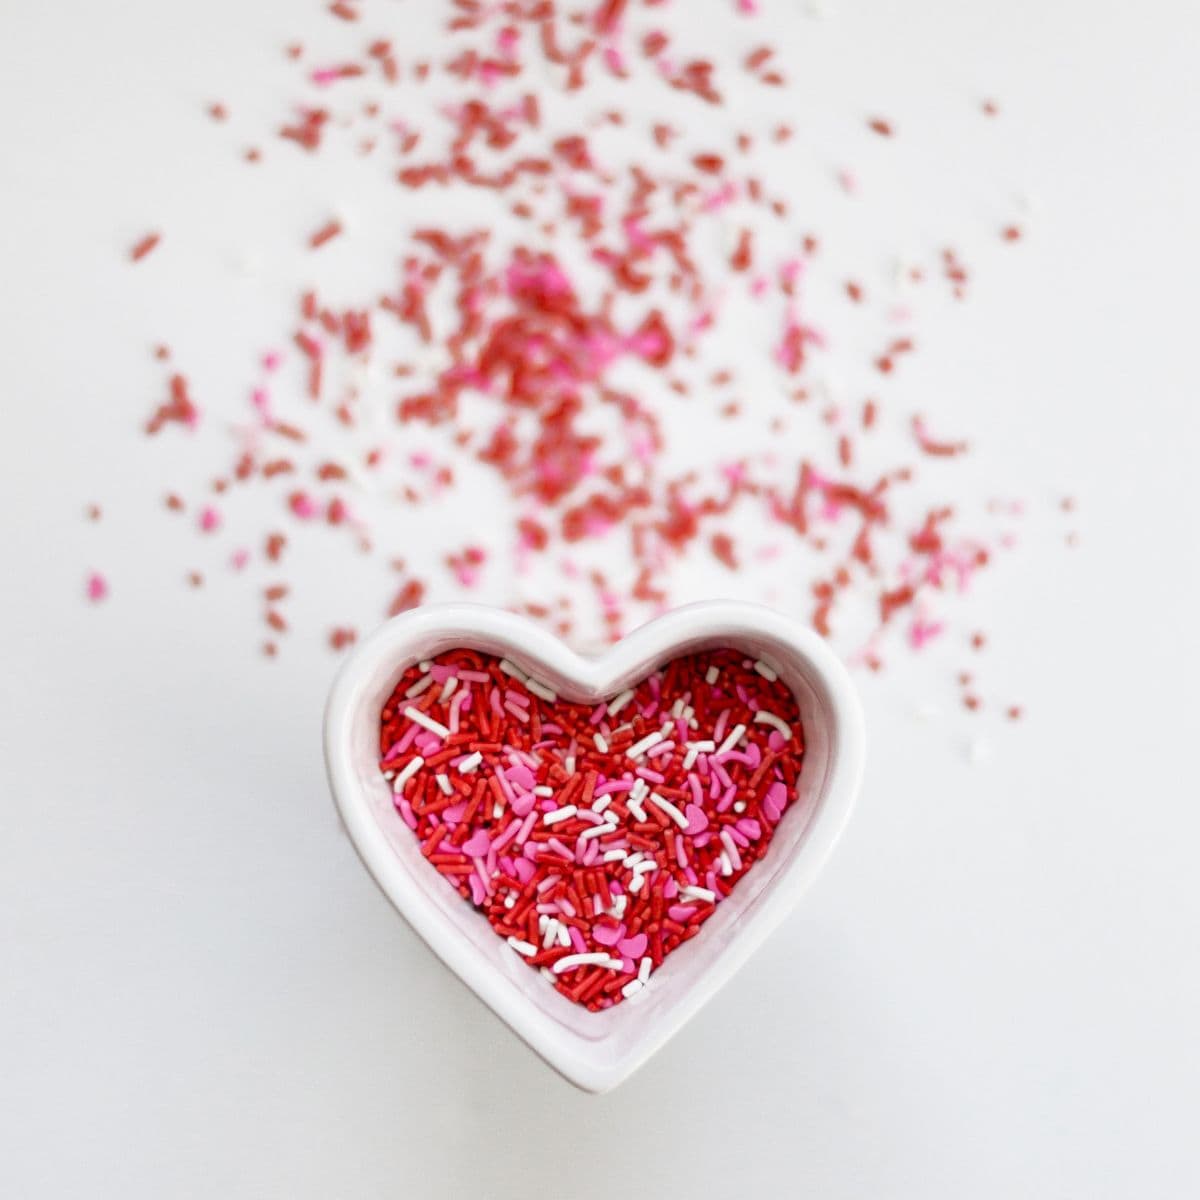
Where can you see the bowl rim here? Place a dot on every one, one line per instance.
(593, 1064)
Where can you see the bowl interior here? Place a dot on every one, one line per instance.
(617, 1032)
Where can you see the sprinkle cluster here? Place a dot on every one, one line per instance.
(605, 236)
(596, 840)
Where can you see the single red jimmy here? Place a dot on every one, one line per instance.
(595, 839)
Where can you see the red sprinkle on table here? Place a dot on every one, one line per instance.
(596, 839)
(144, 246)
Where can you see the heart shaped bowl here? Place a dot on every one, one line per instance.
(596, 1050)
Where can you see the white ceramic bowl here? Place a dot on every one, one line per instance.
(596, 1051)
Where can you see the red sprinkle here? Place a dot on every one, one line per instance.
(144, 246)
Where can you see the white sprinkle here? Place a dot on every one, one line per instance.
(419, 718)
(677, 708)
(707, 746)
(739, 806)
(767, 671)
(443, 782)
(425, 664)
(699, 893)
(510, 902)
(645, 867)
(734, 736)
(618, 702)
(549, 934)
(497, 811)
(549, 974)
(635, 884)
(731, 850)
(448, 689)
(522, 947)
(422, 684)
(601, 744)
(689, 759)
(543, 790)
(599, 805)
(632, 988)
(410, 769)
(669, 809)
(569, 764)
(769, 718)
(613, 856)
(470, 763)
(564, 938)
(726, 865)
(559, 814)
(639, 790)
(512, 669)
(635, 807)
(712, 675)
(640, 748)
(541, 690)
(570, 961)
(645, 967)
(597, 831)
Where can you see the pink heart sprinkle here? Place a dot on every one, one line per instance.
(524, 870)
(697, 820)
(608, 935)
(633, 947)
(478, 844)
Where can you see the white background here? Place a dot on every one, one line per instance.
(993, 992)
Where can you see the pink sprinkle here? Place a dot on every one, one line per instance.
(633, 947)
(97, 587)
(697, 820)
(608, 935)
(478, 845)
(210, 519)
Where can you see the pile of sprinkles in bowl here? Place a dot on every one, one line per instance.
(595, 839)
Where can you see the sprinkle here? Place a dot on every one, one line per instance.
(639, 748)
(144, 246)
(406, 773)
(97, 587)
(762, 717)
(731, 741)
(767, 671)
(443, 782)
(669, 809)
(619, 701)
(541, 690)
(699, 893)
(632, 988)
(326, 233)
(601, 744)
(470, 763)
(559, 814)
(712, 675)
(522, 947)
(422, 684)
(570, 961)
(511, 669)
(419, 718)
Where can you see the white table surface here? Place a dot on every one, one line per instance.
(993, 992)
